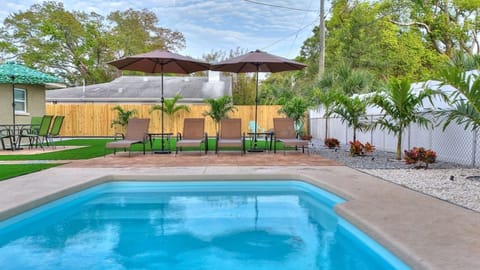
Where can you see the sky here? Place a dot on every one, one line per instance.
(213, 25)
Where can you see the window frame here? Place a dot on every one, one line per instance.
(24, 101)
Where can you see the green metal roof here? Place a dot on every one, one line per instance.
(24, 75)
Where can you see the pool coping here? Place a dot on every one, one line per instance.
(424, 232)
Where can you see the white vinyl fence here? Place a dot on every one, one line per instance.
(452, 145)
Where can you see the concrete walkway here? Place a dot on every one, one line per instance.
(425, 232)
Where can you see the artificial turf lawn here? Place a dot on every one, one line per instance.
(96, 148)
(13, 170)
(93, 148)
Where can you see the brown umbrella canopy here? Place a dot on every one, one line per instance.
(159, 61)
(257, 61)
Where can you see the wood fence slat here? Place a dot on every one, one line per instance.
(91, 119)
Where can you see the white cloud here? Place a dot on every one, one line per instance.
(214, 24)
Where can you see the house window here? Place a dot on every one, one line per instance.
(20, 100)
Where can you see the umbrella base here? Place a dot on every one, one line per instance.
(162, 152)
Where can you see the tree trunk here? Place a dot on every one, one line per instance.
(326, 128)
(354, 135)
(399, 146)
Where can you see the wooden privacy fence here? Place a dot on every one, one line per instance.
(92, 119)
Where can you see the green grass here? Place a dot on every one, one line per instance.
(96, 148)
(93, 148)
(14, 170)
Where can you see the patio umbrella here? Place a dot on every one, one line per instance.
(160, 61)
(257, 61)
(15, 73)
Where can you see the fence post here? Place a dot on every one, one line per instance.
(474, 147)
(346, 134)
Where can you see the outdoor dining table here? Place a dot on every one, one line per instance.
(16, 134)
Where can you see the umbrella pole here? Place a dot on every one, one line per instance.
(255, 149)
(14, 138)
(162, 151)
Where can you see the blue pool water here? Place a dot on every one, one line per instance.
(190, 225)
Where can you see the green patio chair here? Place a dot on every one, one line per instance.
(39, 136)
(5, 134)
(35, 122)
(55, 130)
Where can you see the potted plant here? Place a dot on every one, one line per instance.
(331, 143)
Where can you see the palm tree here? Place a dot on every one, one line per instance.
(401, 107)
(327, 99)
(353, 111)
(122, 117)
(170, 107)
(296, 108)
(466, 98)
(219, 109)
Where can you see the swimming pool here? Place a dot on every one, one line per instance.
(190, 225)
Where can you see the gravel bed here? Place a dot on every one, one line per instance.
(457, 184)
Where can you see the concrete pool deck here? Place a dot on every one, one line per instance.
(423, 231)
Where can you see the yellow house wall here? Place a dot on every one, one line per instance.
(35, 103)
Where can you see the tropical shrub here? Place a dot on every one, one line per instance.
(352, 110)
(219, 108)
(122, 118)
(420, 154)
(296, 108)
(359, 149)
(331, 142)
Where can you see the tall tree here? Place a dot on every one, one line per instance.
(137, 31)
(243, 85)
(448, 26)
(76, 45)
(362, 35)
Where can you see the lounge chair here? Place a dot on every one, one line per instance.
(38, 135)
(230, 134)
(193, 134)
(285, 133)
(136, 133)
(55, 129)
